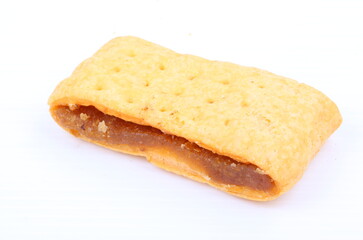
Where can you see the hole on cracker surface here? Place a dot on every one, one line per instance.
(225, 82)
(162, 110)
(117, 69)
(192, 77)
(129, 100)
(226, 122)
(162, 67)
(261, 86)
(147, 84)
(131, 54)
(244, 104)
(210, 101)
(99, 88)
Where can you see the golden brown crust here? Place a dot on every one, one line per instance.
(245, 113)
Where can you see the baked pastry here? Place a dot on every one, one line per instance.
(240, 129)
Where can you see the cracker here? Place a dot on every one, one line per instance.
(245, 113)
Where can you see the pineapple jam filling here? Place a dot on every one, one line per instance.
(90, 123)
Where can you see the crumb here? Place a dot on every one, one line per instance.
(182, 146)
(102, 127)
(233, 165)
(72, 106)
(83, 116)
(260, 171)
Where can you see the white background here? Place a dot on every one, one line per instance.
(54, 186)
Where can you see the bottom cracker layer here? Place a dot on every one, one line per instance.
(170, 152)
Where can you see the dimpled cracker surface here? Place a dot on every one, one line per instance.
(245, 113)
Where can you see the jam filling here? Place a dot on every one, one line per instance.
(89, 122)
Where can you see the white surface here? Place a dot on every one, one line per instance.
(53, 186)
